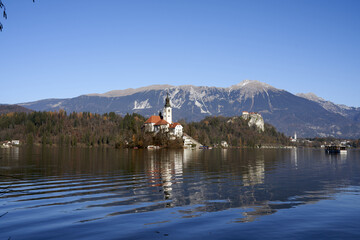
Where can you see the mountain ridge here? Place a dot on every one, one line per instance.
(308, 115)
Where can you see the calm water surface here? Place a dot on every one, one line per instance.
(74, 193)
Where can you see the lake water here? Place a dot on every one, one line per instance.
(80, 193)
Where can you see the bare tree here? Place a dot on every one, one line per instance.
(3, 9)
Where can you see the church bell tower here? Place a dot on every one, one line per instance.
(167, 110)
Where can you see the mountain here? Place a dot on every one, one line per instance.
(305, 114)
(5, 108)
(332, 107)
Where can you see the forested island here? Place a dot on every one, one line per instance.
(112, 130)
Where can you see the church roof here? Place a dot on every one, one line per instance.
(173, 125)
(161, 122)
(153, 119)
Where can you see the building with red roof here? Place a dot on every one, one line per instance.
(150, 123)
(162, 126)
(176, 129)
(153, 119)
(155, 124)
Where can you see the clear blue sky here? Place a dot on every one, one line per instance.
(62, 49)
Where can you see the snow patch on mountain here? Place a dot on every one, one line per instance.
(55, 105)
(250, 88)
(177, 97)
(219, 108)
(199, 105)
(253, 85)
(197, 98)
(142, 105)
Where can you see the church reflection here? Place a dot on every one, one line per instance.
(165, 171)
(294, 157)
(248, 180)
(253, 182)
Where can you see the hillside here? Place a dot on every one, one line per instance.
(87, 129)
(235, 130)
(82, 128)
(4, 108)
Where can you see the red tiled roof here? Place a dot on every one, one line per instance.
(161, 122)
(173, 125)
(153, 119)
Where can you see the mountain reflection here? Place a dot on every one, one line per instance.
(109, 183)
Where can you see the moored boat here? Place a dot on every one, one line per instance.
(332, 149)
(343, 150)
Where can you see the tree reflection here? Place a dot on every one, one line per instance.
(190, 183)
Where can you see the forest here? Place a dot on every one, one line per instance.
(112, 130)
(235, 130)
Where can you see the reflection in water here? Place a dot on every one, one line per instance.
(294, 157)
(343, 157)
(255, 173)
(165, 170)
(93, 185)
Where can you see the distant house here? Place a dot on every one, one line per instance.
(176, 129)
(15, 142)
(163, 122)
(224, 144)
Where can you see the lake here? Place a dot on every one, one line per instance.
(81, 193)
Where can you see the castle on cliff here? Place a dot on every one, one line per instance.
(255, 119)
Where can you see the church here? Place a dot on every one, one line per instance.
(163, 123)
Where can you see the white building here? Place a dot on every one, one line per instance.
(150, 123)
(224, 144)
(162, 126)
(294, 139)
(176, 129)
(163, 122)
(15, 142)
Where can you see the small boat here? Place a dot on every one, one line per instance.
(343, 150)
(332, 149)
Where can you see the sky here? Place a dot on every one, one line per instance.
(63, 49)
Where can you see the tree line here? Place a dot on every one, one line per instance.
(235, 131)
(110, 129)
(60, 128)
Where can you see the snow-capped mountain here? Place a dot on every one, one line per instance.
(305, 114)
(330, 106)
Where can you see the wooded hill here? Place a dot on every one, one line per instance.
(235, 130)
(109, 129)
(5, 108)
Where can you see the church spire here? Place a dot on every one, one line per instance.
(167, 101)
(167, 110)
